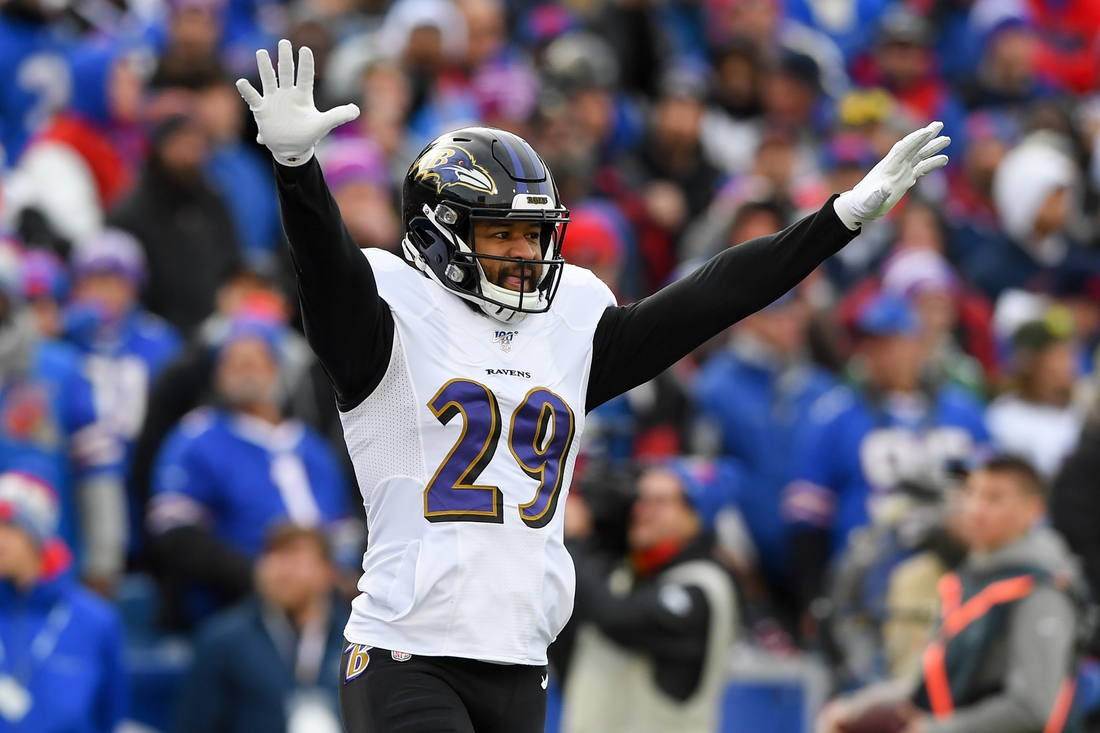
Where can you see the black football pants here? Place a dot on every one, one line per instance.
(389, 692)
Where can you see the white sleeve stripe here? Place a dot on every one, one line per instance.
(172, 510)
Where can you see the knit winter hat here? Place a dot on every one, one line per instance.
(112, 251)
(913, 272)
(592, 239)
(1036, 337)
(354, 160)
(267, 331)
(886, 314)
(29, 503)
(1027, 176)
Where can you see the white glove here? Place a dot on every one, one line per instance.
(909, 159)
(289, 123)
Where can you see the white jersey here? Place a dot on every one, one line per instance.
(464, 454)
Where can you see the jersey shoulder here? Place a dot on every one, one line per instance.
(581, 298)
(382, 260)
(199, 422)
(404, 288)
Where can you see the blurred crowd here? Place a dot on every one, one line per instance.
(920, 415)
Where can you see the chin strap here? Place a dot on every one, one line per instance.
(504, 310)
(496, 311)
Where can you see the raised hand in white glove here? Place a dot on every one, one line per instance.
(289, 123)
(909, 159)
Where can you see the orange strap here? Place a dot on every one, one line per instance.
(950, 591)
(935, 681)
(957, 617)
(1062, 704)
(1003, 591)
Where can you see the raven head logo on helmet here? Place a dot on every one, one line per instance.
(483, 174)
(453, 166)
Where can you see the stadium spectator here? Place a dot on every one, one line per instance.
(429, 36)
(188, 381)
(387, 98)
(183, 225)
(1038, 419)
(1032, 192)
(272, 662)
(970, 208)
(670, 171)
(506, 93)
(955, 322)
(673, 152)
(595, 244)
(777, 29)
(124, 347)
(85, 160)
(754, 400)
(604, 122)
(792, 92)
(653, 634)
(44, 285)
(902, 63)
(743, 208)
(226, 475)
(63, 654)
(731, 127)
(1007, 77)
(486, 33)
(194, 29)
(238, 173)
(866, 440)
(1003, 656)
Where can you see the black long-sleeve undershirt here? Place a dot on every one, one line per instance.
(635, 343)
(350, 327)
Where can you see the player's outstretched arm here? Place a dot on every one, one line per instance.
(348, 325)
(635, 343)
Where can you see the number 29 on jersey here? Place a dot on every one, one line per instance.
(539, 437)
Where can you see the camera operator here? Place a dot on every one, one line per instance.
(653, 632)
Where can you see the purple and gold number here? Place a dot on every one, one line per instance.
(540, 436)
(452, 495)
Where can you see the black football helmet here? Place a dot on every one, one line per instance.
(479, 173)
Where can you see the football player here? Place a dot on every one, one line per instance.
(463, 373)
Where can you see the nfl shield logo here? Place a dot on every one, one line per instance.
(401, 656)
(504, 338)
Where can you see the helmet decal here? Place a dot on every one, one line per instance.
(453, 166)
(531, 176)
